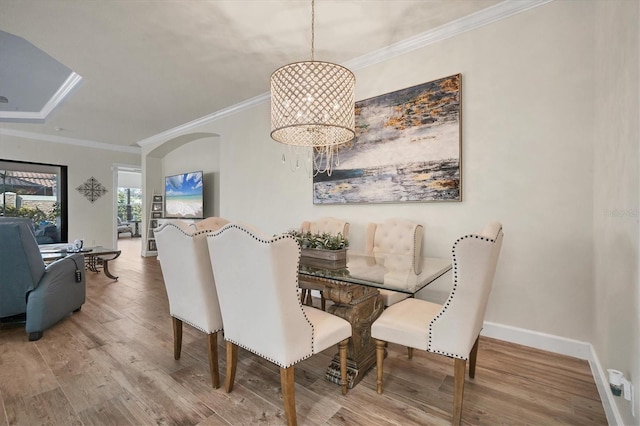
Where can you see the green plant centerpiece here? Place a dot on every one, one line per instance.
(323, 241)
(322, 250)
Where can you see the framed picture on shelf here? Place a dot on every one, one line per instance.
(152, 245)
(156, 215)
(153, 224)
(156, 207)
(157, 198)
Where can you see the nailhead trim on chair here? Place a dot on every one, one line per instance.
(195, 326)
(276, 238)
(453, 292)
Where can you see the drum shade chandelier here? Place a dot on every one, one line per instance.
(312, 105)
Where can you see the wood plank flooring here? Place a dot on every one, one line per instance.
(112, 364)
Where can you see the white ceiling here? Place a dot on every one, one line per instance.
(149, 66)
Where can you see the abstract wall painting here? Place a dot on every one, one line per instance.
(407, 149)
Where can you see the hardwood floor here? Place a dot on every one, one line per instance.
(112, 364)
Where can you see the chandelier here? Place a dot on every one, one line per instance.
(312, 105)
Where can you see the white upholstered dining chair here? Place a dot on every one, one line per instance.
(395, 237)
(210, 223)
(186, 268)
(328, 225)
(266, 317)
(451, 329)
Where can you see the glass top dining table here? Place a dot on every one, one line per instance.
(383, 270)
(353, 294)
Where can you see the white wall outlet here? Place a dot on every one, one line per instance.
(633, 400)
(627, 386)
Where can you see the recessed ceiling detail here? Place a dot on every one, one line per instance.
(38, 82)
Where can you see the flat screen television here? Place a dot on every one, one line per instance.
(183, 196)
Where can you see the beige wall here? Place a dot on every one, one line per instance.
(550, 148)
(189, 152)
(616, 193)
(201, 154)
(527, 161)
(94, 222)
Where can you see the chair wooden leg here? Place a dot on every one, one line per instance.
(323, 302)
(458, 389)
(177, 337)
(303, 295)
(380, 345)
(343, 365)
(232, 363)
(212, 349)
(473, 355)
(410, 352)
(288, 395)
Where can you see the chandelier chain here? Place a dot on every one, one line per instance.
(313, 32)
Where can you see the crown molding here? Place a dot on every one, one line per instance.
(478, 19)
(70, 141)
(180, 130)
(57, 97)
(481, 18)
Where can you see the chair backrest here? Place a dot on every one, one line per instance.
(454, 330)
(21, 265)
(212, 223)
(257, 281)
(396, 236)
(328, 225)
(188, 278)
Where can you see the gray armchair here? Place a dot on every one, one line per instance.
(45, 294)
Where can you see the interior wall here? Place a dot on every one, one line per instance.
(93, 222)
(616, 193)
(202, 154)
(527, 161)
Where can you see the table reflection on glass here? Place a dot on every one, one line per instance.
(354, 294)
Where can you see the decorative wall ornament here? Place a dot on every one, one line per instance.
(407, 148)
(92, 189)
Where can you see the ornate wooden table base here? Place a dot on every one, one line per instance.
(360, 305)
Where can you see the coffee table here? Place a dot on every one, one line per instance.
(95, 257)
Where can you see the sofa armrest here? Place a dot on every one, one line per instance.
(57, 294)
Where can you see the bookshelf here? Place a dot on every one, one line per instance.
(155, 216)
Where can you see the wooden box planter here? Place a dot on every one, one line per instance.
(322, 258)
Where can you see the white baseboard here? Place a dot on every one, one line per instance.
(564, 346)
(535, 339)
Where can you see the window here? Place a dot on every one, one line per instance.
(37, 191)
(129, 204)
